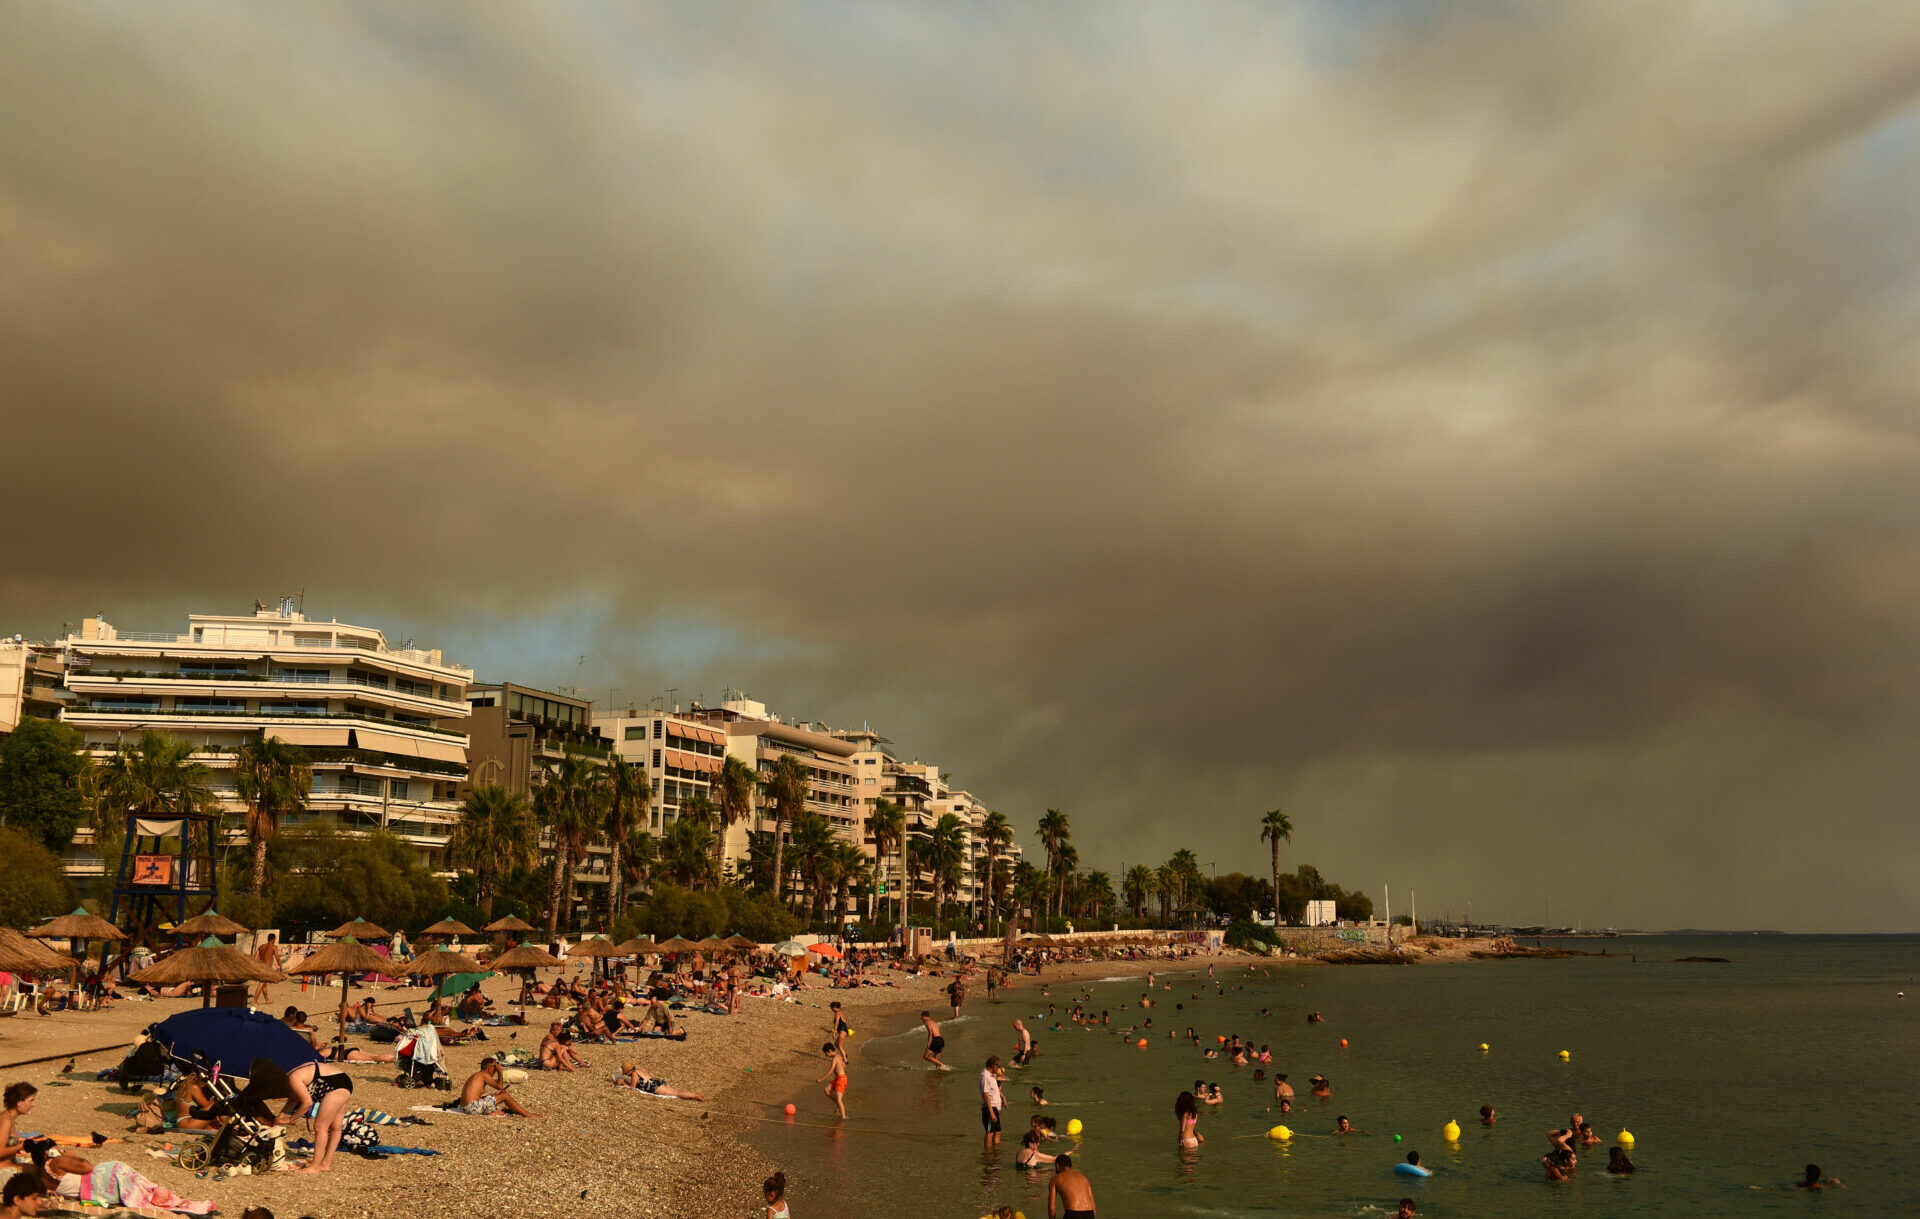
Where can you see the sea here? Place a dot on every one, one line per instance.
(1731, 1075)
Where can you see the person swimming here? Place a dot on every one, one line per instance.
(1617, 1161)
(1813, 1180)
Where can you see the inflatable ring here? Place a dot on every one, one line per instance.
(1411, 1170)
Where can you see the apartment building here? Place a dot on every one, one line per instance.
(380, 724)
(758, 738)
(31, 677)
(680, 755)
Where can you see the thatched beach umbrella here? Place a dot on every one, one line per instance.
(360, 929)
(714, 944)
(347, 958)
(509, 924)
(207, 962)
(596, 950)
(210, 923)
(529, 959)
(447, 928)
(20, 955)
(678, 944)
(640, 947)
(439, 963)
(742, 943)
(80, 925)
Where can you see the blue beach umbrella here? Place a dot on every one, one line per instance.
(233, 1037)
(455, 984)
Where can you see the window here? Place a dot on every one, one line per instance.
(656, 759)
(398, 789)
(636, 734)
(658, 727)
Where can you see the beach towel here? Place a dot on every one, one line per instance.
(457, 1111)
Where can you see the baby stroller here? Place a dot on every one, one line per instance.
(418, 1053)
(243, 1140)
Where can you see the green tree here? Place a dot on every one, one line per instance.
(813, 840)
(686, 852)
(996, 835)
(1138, 886)
(916, 862)
(787, 786)
(638, 858)
(157, 777)
(1275, 828)
(43, 780)
(759, 868)
(850, 870)
(1053, 833)
(321, 877)
(627, 798)
(888, 825)
(946, 854)
(274, 780)
(570, 803)
(1186, 872)
(1094, 894)
(33, 885)
(733, 790)
(495, 835)
(1166, 883)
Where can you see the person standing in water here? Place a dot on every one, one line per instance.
(1071, 1189)
(991, 1100)
(835, 1078)
(935, 1042)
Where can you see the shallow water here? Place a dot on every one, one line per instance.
(1730, 1076)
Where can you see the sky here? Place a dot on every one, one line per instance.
(1486, 432)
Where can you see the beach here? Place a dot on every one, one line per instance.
(608, 1145)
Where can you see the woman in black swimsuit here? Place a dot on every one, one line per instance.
(307, 1085)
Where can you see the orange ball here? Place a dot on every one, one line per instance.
(1221, 1039)
(1143, 1043)
(1343, 1043)
(790, 1109)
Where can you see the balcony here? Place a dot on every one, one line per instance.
(257, 685)
(298, 642)
(265, 713)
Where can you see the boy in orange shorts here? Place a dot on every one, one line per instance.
(836, 1078)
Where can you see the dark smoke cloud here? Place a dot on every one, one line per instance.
(1490, 437)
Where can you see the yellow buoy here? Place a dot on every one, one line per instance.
(1451, 1131)
(1280, 1134)
(1565, 1056)
(1074, 1128)
(1483, 1047)
(1626, 1138)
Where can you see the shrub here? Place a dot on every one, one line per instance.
(33, 888)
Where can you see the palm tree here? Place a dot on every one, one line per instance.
(496, 833)
(571, 803)
(638, 858)
(1053, 834)
(946, 852)
(1276, 827)
(154, 777)
(1138, 886)
(1030, 886)
(888, 825)
(787, 786)
(274, 780)
(916, 865)
(699, 808)
(996, 835)
(850, 871)
(1166, 883)
(759, 869)
(813, 843)
(1186, 869)
(628, 796)
(686, 852)
(733, 789)
(1095, 893)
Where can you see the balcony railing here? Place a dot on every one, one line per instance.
(264, 713)
(331, 643)
(86, 679)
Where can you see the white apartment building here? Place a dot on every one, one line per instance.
(679, 754)
(379, 723)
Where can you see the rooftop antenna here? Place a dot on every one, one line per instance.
(671, 691)
(303, 599)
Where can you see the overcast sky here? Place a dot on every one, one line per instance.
(1486, 432)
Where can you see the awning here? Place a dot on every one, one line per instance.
(681, 730)
(677, 760)
(409, 747)
(157, 829)
(303, 735)
(709, 765)
(713, 738)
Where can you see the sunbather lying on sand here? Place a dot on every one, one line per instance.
(631, 1076)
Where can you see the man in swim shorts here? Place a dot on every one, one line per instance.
(935, 1042)
(1071, 1189)
(486, 1092)
(991, 1101)
(835, 1078)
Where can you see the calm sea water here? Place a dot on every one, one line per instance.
(1730, 1076)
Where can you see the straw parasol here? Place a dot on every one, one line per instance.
(678, 944)
(79, 925)
(20, 955)
(360, 929)
(511, 924)
(596, 950)
(523, 957)
(210, 923)
(346, 958)
(207, 962)
(713, 944)
(439, 963)
(742, 943)
(448, 927)
(637, 948)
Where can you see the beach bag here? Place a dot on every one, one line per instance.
(358, 1135)
(150, 1118)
